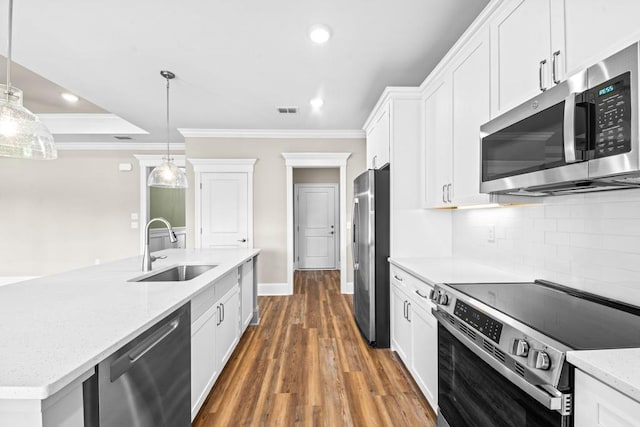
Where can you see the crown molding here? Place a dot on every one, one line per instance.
(118, 146)
(393, 92)
(89, 124)
(272, 133)
(316, 159)
(476, 27)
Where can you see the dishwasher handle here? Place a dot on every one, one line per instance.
(125, 362)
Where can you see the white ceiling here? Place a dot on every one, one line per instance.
(235, 60)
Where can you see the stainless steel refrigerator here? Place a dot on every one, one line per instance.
(370, 251)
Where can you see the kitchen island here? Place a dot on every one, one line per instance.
(54, 330)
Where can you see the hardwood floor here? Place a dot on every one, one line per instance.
(306, 364)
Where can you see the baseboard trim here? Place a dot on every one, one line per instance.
(5, 280)
(268, 289)
(349, 288)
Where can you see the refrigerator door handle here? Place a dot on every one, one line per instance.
(354, 243)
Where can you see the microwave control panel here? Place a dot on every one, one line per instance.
(478, 320)
(612, 101)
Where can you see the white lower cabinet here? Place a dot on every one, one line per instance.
(215, 333)
(228, 333)
(424, 357)
(203, 358)
(400, 332)
(414, 331)
(598, 405)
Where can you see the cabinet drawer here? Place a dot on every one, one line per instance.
(202, 302)
(224, 284)
(208, 297)
(414, 287)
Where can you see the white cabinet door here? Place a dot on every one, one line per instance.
(598, 405)
(228, 332)
(204, 370)
(437, 151)
(584, 46)
(400, 327)
(247, 293)
(224, 215)
(378, 139)
(521, 50)
(471, 106)
(424, 352)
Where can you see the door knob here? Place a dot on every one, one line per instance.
(331, 232)
(242, 240)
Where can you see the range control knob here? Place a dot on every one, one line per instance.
(542, 361)
(433, 295)
(520, 348)
(443, 299)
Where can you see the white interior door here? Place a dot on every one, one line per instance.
(317, 225)
(224, 212)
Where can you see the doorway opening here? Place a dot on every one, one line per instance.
(161, 202)
(313, 161)
(316, 213)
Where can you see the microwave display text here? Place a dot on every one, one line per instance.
(478, 320)
(605, 90)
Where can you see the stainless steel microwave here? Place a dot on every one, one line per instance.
(579, 136)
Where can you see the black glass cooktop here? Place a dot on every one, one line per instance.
(579, 320)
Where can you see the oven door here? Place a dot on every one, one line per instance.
(541, 142)
(472, 394)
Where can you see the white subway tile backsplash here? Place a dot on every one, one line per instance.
(589, 241)
(557, 211)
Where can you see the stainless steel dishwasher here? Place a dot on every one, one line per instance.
(147, 383)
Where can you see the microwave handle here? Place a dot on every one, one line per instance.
(569, 131)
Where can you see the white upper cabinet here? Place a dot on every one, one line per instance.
(471, 106)
(437, 151)
(527, 49)
(455, 105)
(378, 139)
(617, 26)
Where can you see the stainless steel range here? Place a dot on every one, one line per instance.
(502, 349)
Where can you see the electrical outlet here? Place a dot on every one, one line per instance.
(491, 234)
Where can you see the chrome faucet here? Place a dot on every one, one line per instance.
(147, 258)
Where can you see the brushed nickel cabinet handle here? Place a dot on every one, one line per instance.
(542, 64)
(554, 67)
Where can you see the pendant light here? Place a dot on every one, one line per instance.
(168, 175)
(22, 134)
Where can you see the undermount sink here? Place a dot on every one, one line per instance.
(179, 273)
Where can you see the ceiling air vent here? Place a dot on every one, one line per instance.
(288, 110)
(122, 137)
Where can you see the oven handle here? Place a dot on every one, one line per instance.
(569, 129)
(556, 401)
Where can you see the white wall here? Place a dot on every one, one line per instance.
(590, 241)
(67, 213)
(270, 189)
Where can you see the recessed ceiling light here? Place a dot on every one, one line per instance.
(69, 97)
(319, 34)
(316, 103)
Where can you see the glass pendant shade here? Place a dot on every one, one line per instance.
(168, 175)
(22, 134)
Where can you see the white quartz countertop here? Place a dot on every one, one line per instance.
(617, 368)
(454, 270)
(56, 328)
